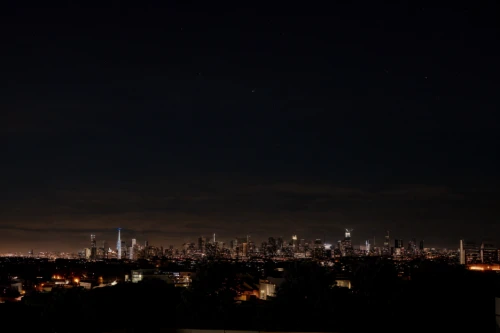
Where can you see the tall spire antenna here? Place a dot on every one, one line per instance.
(214, 237)
(119, 245)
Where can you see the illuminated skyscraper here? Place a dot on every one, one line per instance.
(348, 234)
(93, 247)
(119, 245)
(346, 245)
(295, 243)
(131, 253)
(412, 246)
(386, 250)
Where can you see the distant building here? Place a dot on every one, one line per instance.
(179, 279)
(367, 247)
(119, 245)
(17, 285)
(295, 243)
(398, 248)
(398, 243)
(93, 247)
(470, 253)
(386, 250)
(268, 287)
(201, 244)
(86, 285)
(343, 283)
(489, 253)
(412, 246)
(131, 253)
(346, 244)
(87, 253)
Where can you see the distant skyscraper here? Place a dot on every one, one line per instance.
(131, 253)
(295, 243)
(87, 252)
(93, 247)
(412, 246)
(462, 252)
(398, 243)
(489, 252)
(398, 248)
(346, 244)
(105, 249)
(201, 244)
(119, 245)
(348, 234)
(387, 247)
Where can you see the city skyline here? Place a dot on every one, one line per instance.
(98, 239)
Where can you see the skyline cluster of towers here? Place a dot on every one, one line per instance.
(244, 246)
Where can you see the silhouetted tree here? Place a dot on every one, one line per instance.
(208, 300)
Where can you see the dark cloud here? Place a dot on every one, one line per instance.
(173, 216)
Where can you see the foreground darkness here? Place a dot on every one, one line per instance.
(439, 297)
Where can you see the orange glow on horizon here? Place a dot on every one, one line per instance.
(476, 268)
(484, 267)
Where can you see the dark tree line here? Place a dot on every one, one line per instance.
(437, 297)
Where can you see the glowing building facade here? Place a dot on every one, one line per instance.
(119, 245)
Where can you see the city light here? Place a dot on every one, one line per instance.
(484, 267)
(476, 268)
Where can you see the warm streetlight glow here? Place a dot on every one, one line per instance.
(76, 280)
(476, 268)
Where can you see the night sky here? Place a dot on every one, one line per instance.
(273, 119)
